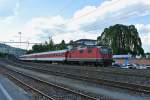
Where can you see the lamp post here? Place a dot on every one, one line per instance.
(20, 38)
(27, 45)
(11, 50)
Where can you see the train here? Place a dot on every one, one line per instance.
(97, 55)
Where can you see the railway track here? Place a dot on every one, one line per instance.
(124, 72)
(31, 88)
(130, 78)
(65, 89)
(123, 85)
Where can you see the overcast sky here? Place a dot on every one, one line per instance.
(71, 19)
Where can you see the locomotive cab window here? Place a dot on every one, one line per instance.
(104, 50)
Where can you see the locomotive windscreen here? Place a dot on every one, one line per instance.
(105, 50)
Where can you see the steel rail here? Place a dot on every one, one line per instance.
(34, 89)
(123, 85)
(57, 86)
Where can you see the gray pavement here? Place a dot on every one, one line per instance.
(117, 95)
(9, 91)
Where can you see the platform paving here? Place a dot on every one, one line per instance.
(9, 91)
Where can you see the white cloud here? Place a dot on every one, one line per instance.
(110, 12)
(144, 30)
(9, 10)
(74, 36)
(87, 21)
(45, 26)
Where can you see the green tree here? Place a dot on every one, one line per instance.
(62, 45)
(123, 39)
(51, 46)
(48, 47)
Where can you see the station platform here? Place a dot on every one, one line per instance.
(9, 91)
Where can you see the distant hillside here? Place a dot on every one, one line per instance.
(6, 49)
(123, 39)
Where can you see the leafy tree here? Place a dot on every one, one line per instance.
(48, 47)
(148, 53)
(123, 39)
(62, 45)
(29, 51)
(51, 46)
(39, 48)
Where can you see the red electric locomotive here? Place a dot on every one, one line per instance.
(98, 55)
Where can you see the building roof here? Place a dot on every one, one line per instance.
(85, 40)
(121, 56)
(48, 52)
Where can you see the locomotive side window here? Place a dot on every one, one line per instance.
(81, 51)
(89, 50)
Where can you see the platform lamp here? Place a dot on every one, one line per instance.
(20, 38)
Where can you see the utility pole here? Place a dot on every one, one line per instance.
(20, 38)
(50, 38)
(27, 45)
